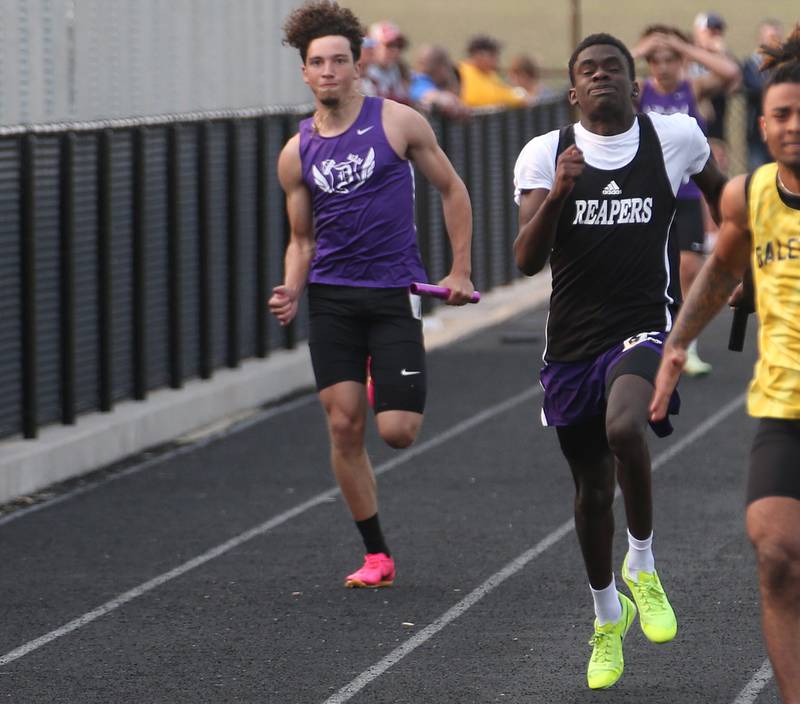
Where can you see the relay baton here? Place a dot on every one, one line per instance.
(438, 291)
(741, 313)
(738, 329)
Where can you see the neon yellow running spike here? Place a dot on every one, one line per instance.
(607, 663)
(656, 616)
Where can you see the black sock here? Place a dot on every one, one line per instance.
(370, 529)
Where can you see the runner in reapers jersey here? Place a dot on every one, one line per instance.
(597, 199)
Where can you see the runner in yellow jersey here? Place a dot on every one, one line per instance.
(761, 222)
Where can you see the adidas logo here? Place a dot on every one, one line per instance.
(612, 189)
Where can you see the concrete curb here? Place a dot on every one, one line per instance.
(98, 439)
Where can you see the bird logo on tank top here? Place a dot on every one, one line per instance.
(344, 176)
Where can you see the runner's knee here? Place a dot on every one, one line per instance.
(346, 429)
(398, 429)
(778, 566)
(624, 435)
(594, 499)
(778, 556)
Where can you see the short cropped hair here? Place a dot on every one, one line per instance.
(322, 18)
(601, 38)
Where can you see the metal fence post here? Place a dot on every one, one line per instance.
(67, 283)
(139, 263)
(28, 280)
(104, 292)
(262, 232)
(204, 243)
(175, 268)
(234, 199)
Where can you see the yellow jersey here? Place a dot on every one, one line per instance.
(479, 89)
(775, 226)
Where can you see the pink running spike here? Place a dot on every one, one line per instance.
(378, 571)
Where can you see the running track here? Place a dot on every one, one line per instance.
(212, 572)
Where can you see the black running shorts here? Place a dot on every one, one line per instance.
(688, 226)
(347, 324)
(775, 460)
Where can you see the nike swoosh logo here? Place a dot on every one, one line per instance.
(404, 372)
(364, 130)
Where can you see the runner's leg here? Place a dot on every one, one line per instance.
(592, 466)
(346, 411)
(772, 526)
(626, 428)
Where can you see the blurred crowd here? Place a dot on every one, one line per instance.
(435, 82)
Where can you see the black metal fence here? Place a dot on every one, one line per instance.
(136, 256)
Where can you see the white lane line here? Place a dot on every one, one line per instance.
(753, 688)
(235, 542)
(257, 417)
(350, 690)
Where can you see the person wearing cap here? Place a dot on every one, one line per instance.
(388, 74)
(669, 90)
(708, 32)
(770, 34)
(365, 85)
(481, 84)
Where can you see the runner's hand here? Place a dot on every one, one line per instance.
(461, 289)
(283, 304)
(672, 363)
(569, 167)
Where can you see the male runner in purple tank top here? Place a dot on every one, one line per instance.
(668, 52)
(349, 190)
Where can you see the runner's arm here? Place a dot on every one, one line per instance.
(539, 211)
(425, 152)
(711, 182)
(299, 252)
(719, 276)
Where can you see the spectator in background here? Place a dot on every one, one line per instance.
(481, 84)
(365, 85)
(435, 85)
(524, 74)
(721, 153)
(388, 74)
(667, 90)
(709, 34)
(770, 34)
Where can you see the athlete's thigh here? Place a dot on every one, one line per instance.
(629, 401)
(585, 447)
(629, 387)
(775, 460)
(397, 355)
(338, 334)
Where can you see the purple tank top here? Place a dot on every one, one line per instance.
(363, 201)
(680, 100)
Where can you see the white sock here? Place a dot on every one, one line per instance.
(607, 608)
(692, 348)
(640, 556)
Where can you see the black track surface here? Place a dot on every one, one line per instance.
(269, 620)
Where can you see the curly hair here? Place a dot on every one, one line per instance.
(782, 62)
(322, 18)
(601, 38)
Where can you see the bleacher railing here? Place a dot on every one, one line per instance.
(139, 254)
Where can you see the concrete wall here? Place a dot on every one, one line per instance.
(72, 60)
